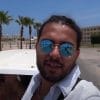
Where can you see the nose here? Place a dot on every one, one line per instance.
(55, 52)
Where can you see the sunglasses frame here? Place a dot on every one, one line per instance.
(69, 46)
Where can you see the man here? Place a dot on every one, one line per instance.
(57, 49)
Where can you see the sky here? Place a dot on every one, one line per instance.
(84, 12)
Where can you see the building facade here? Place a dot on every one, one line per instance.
(87, 32)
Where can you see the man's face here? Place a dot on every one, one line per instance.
(53, 66)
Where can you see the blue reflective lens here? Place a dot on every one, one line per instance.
(46, 46)
(66, 49)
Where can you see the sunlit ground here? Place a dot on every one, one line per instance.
(89, 61)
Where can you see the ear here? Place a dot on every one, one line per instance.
(36, 45)
(77, 53)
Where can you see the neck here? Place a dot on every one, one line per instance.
(42, 90)
(45, 86)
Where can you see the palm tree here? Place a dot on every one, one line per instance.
(21, 22)
(37, 26)
(4, 19)
(29, 22)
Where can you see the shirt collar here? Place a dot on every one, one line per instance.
(69, 81)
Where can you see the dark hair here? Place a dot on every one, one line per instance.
(66, 21)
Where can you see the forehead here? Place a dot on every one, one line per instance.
(57, 26)
(58, 32)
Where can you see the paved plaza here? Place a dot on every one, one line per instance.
(89, 61)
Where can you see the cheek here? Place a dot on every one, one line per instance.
(69, 62)
(40, 57)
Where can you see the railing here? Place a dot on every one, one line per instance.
(8, 45)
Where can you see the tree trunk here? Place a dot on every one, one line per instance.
(0, 37)
(30, 33)
(21, 37)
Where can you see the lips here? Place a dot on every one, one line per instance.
(53, 64)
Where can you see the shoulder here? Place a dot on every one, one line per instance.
(84, 90)
(85, 85)
(31, 87)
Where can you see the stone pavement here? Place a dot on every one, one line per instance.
(89, 61)
(90, 53)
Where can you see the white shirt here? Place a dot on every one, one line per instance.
(83, 91)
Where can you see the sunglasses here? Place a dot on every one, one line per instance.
(66, 49)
